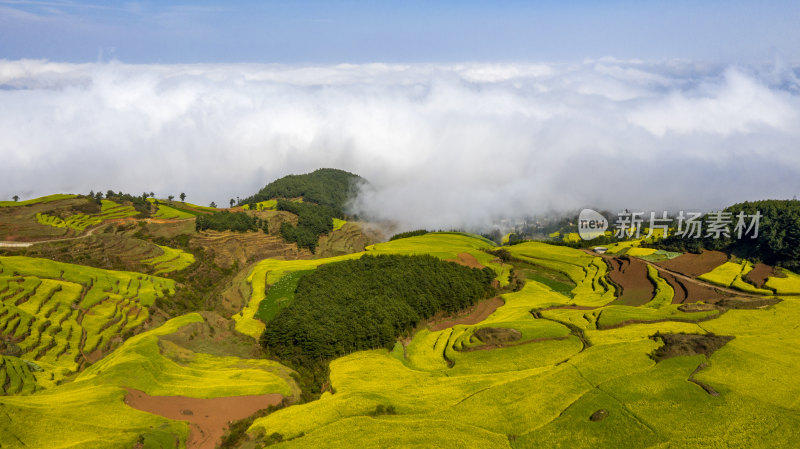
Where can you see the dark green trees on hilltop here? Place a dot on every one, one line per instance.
(325, 187)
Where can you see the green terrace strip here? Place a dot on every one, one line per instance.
(171, 260)
(57, 315)
(261, 205)
(109, 211)
(587, 272)
(44, 199)
(168, 212)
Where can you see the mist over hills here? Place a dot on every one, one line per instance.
(443, 145)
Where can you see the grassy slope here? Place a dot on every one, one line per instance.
(44, 199)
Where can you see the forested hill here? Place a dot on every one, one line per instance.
(778, 241)
(326, 186)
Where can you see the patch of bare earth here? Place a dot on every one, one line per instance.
(630, 274)
(472, 315)
(695, 264)
(759, 274)
(690, 292)
(468, 260)
(208, 418)
(676, 345)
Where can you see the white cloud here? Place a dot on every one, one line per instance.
(444, 145)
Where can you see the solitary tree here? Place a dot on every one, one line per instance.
(170, 198)
(152, 195)
(110, 193)
(183, 197)
(16, 198)
(213, 204)
(232, 202)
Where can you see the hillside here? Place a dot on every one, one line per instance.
(136, 331)
(328, 187)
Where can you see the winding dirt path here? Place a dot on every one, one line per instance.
(208, 418)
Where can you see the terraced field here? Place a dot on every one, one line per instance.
(788, 284)
(171, 260)
(561, 363)
(59, 316)
(92, 410)
(18, 220)
(79, 222)
(543, 371)
(166, 212)
(731, 274)
(586, 271)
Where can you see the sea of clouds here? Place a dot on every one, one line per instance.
(443, 145)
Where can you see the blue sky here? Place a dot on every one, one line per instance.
(515, 106)
(392, 31)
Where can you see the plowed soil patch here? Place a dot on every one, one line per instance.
(759, 274)
(467, 260)
(473, 315)
(208, 418)
(686, 291)
(681, 290)
(695, 264)
(631, 275)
